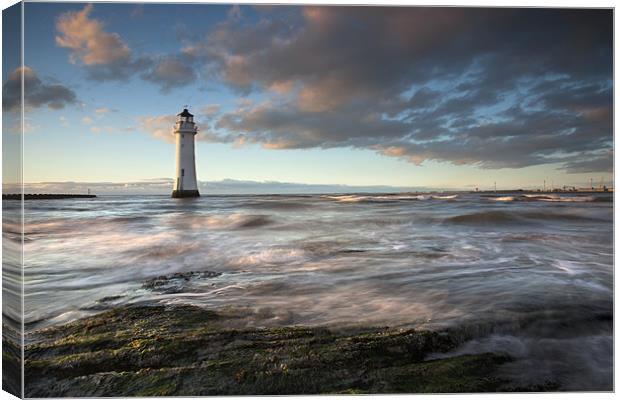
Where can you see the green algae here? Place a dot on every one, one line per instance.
(185, 350)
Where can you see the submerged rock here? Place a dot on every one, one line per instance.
(187, 351)
(175, 283)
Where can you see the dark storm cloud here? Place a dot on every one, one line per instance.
(490, 87)
(596, 163)
(36, 93)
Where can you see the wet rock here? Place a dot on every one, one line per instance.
(109, 299)
(160, 350)
(175, 283)
(11, 361)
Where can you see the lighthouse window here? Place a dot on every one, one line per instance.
(182, 171)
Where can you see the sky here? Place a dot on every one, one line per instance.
(340, 97)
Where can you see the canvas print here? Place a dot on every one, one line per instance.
(222, 199)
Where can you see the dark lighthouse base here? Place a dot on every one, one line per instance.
(178, 194)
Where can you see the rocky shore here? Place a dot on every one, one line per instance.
(156, 350)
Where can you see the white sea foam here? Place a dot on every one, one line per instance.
(270, 256)
(545, 197)
(388, 198)
(502, 198)
(579, 199)
(559, 198)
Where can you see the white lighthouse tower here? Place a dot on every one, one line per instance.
(185, 184)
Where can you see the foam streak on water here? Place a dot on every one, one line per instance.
(528, 275)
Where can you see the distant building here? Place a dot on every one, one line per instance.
(185, 184)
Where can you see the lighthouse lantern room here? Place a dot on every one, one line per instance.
(185, 184)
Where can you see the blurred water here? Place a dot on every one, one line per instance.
(528, 275)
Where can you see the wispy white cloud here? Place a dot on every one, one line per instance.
(210, 110)
(160, 126)
(104, 110)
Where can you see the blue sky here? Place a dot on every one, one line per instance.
(437, 98)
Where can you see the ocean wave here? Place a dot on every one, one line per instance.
(484, 217)
(270, 256)
(505, 217)
(557, 198)
(552, 198)
(224, 221)
(546, 345)
(278, 205)
(388, 198)
(502, 198)
(446, 197)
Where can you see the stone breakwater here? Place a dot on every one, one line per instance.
(155, 350)
(46, 196)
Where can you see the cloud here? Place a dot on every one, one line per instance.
(88, 41)
(210, 110)
(171, 72)
(120, 71)
(235, 12)
(598, 163)
(137, 12)
(159, 127)
(36, 93)
(493, 88)
(104, 55)
(282, 126)
(104, 110)
(87, 120)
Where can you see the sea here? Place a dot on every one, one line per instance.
(527, 274)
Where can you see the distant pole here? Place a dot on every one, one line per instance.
(591, 184)
(495, 186)
(544, 185)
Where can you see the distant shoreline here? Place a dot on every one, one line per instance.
(46, 196)
(53, 196)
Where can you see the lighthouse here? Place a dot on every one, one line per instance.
(185, 184)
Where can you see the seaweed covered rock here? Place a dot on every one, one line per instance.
(184, 350)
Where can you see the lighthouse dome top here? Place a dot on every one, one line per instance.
(184, 113)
